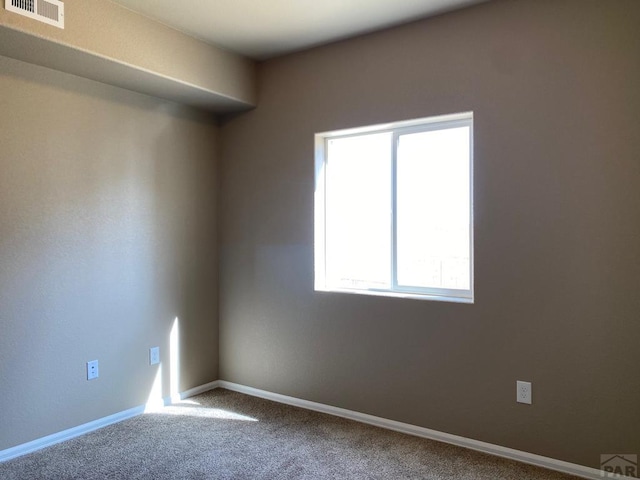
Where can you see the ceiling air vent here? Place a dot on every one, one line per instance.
(47, 11)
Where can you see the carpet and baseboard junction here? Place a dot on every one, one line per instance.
(224, 430)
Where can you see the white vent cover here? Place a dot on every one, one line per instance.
(47, 11)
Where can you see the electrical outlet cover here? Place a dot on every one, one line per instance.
(523, 392)
(92, 370)
(154, 355)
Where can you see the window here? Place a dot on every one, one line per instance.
(393, 209)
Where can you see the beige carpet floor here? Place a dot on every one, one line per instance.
(227, 435)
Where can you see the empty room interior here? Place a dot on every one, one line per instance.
(164, 188)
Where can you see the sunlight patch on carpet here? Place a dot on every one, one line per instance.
(204, 412)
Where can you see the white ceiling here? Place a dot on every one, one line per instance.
(266, 28)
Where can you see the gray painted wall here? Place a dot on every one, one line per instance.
(107, 234)
(554, 88)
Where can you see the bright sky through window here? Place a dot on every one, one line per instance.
(433, 209)
(358, 201)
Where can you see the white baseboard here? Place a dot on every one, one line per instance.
(201, 389)
(510, 453)
(70, 433)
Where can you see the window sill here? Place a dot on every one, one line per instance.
(412, 296)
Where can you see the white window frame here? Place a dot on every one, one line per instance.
(396, 128)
